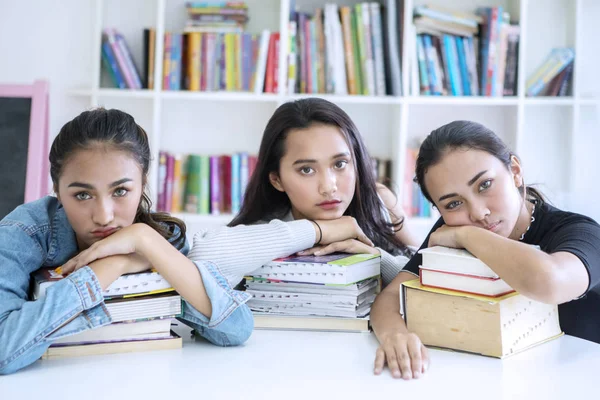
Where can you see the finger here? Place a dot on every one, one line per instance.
(425, 358)
(404, 362)
(309, 251)
(363, 238)
(379, 361)
(392, 362)
(414, 351)
(331, 248)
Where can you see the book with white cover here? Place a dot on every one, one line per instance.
(123, 331)
(337, 268)
(460, 261)
(464, 283)
(310, 323)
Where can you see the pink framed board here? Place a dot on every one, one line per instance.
(24, 136)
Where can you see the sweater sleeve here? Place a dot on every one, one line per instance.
(391, 266)
(239, 250)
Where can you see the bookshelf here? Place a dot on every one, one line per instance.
(553, 136)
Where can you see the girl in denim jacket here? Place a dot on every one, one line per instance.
(99, 226)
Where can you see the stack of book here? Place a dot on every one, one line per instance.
(223, 17)
(329, 293)
(118, 61)
(141, 307)
(459, 303)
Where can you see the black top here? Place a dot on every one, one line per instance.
(555, 230)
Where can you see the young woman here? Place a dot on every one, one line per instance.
(312, 164)
(98, 227)
(477, 184)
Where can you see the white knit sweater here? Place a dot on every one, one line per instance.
(242, 249)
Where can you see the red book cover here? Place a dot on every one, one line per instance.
(269, 75)
(225, 183)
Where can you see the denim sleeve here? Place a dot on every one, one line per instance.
(27, 328)
(231, 323)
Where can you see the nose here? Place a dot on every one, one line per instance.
(103, 212)
(478, 212)
(328, 183)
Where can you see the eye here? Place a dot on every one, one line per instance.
(485, 185)
(452, 205)
(341, 164)
(120, 192)
(83, 196)
(306, 170)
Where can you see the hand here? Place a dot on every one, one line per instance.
(337, 230)
(124, 241)
(448, 236)
(405, 355)
(352, 246)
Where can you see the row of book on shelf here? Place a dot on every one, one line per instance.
(341, 50)
(203, 184)
(213, 53)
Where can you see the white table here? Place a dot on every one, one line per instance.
(303, 365)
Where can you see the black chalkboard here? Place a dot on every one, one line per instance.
(15, 116)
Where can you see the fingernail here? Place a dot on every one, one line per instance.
(58, 270)
(317, 253)
(417, 375)
(396, 374)
(301, 252)
(377, 371)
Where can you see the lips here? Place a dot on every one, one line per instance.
(104, 232)
(329, 204)
(493, 227)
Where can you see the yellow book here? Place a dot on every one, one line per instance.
(230, 83)
(193, 53)
(491, 326)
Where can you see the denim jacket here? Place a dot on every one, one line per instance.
(38, 234)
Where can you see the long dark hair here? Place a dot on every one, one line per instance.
(466, 135)
(261, 199)
(119, 130)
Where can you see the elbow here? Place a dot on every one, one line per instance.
(234, 331)
(544, 288)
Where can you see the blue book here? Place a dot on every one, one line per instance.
(112, 66)
(462, 64)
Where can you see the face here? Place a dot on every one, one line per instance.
(472, 187)
(317, 173)
(100, 190)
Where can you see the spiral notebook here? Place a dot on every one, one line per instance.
(332, 269)
(140, 284)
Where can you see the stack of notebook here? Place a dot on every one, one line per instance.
(332, 292)
(461, 304)
(141, 306)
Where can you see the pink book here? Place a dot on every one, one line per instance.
(112, 40)
(215, 190)
(169, 183)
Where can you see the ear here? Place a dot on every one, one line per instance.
(516, 170)
(275, 181)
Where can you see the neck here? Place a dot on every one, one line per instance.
(523, 221)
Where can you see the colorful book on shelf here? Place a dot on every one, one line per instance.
(491, 326)
(129, 285)
(337, 268)
(557, 60)
(173, 341)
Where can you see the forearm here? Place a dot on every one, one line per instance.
(109, 269)
(525, 268)
(385, 312)
(177, 269)
(242, 249)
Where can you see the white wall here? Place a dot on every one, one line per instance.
(46, 40)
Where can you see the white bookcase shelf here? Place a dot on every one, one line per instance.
(550, 134)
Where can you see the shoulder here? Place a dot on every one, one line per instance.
(564, 224)
(35, 216)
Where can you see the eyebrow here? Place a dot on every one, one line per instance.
(110, 185)
(309, 160)
(471, 182)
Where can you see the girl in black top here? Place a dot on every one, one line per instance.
(477, 184)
